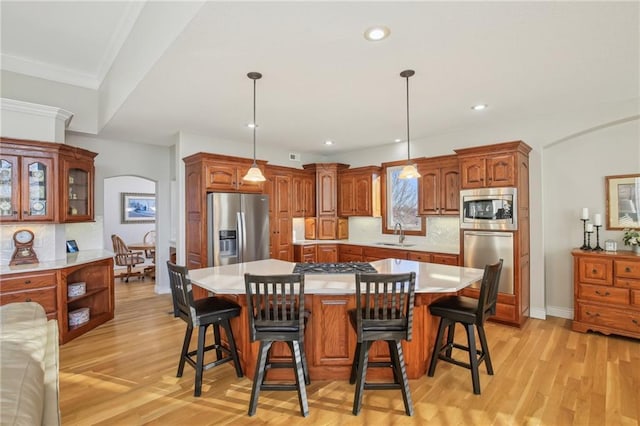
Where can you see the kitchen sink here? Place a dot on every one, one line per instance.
(394, 244)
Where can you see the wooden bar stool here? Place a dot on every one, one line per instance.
(202, 313)
(275, 305)
(384, 311)
(469, 312)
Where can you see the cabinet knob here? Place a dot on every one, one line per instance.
(27, 282)
(594, 271)
(635, 321)
(599, 293)
(28, 299)
(627, 269)
(592, 314)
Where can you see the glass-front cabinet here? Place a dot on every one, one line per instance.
(45, 182)
(26, 189)
(77, 193)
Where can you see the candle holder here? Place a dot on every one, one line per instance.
(597, 247)
(589, 241)
(584, 235)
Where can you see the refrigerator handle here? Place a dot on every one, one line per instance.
(242, 243)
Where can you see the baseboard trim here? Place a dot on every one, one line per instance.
(538, 313)
(556, 311)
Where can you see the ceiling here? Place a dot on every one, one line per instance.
(322, 80)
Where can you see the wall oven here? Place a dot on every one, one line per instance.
(489, 209)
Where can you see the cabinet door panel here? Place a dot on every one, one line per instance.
(362, 195)
(473, 172)
(9, 192)
(297, 196)
(334, 342)
(595, 271)
(346, 199)
(327, 228)
(327, 194)
(309, 191)
(220, 177)
(500, 170)
(327, 253)
(430, 191)
(37, 189)
(450, 191)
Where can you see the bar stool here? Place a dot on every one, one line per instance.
(275, 305)
(469, 312)
(202, 313)
(384, 311)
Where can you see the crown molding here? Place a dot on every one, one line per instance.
(36, 109)
(49, 72)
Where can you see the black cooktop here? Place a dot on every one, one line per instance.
(333, 268)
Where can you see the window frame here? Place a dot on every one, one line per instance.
(385, 197)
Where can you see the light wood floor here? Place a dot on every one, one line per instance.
(123, 373)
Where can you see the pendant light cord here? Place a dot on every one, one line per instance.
(408, 144)
(254, 122)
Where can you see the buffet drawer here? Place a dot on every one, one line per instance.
(44, 296)
(627, 269)
(27, 281)
(628, 320)
(618, 296)
(627, 283)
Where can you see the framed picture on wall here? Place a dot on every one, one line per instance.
(138, 207)
(623, 194)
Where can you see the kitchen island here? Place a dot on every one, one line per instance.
(329, 338)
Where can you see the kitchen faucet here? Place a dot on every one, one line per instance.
(398, 226)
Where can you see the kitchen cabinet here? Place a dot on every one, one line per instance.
(304, 194)
(304, 253)
(444, 259)
(49, 288)
(36, 182)
(606, 287)
(327, 253)
(490, 166)
(334, 341)
(77, 186)
(210, 173)
(326, 178)
(280, 219)
(504, 164)
(349, 253)
(369, 254)
(439, 186)
(359, 191)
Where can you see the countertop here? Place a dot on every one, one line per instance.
(433, 248)
(430, 277)
(79, 258)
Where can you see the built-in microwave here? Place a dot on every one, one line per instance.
(489, 208)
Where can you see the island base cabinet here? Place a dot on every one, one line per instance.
(330, 340)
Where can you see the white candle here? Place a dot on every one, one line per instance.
(597, 219)
(589, 227)
(585, 213)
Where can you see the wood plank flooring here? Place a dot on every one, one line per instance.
(123, 373)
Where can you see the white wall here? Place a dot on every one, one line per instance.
(127, 158)
(113, 189)
(574, 171)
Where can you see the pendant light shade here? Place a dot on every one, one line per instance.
(409, 171)
(254, 174)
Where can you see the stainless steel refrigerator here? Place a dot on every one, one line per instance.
(238, 228)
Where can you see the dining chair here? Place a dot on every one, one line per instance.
(275, 307)
(150, 238)
(126, 257)
(202, 313)
(384, 311)
(470, 313)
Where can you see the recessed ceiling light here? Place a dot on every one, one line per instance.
(479, 107)
(328, 142)
(376, 33)
(397, 140)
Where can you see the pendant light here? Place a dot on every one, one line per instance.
(409, 171)
(254, 174)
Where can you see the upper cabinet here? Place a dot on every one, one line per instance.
(491, 165)
(326, 178)
(304, 194)
(38, 182)
(76, 186)
(224, 174)
(439, 186)
(359, 192)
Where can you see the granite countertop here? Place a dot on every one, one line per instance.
(434, 248)
(79, 258)
(430, 277)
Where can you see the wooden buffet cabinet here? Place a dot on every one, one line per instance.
(606, 288)
(504, 165)
(48, 287)
(45, 182)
